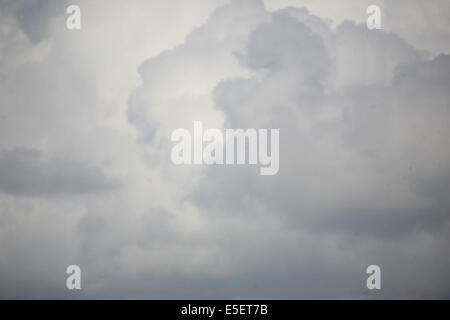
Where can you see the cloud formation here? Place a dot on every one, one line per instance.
(364, 158)
(24, 172)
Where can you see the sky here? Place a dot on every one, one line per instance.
(86, 177)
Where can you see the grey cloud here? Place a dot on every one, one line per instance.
(361, 151)
(364, 157)
(377, 170)
(366, 124)
(27, 172)
(354, 165)
(34, 16)
(285, 42)
(362, 223)
(407, 18)
(186, 75)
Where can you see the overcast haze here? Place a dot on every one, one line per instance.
(85, 171)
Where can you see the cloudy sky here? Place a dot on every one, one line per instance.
(85, 171)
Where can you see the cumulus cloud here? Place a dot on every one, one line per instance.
(364, 158)
(25, 172)
(351, 108)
